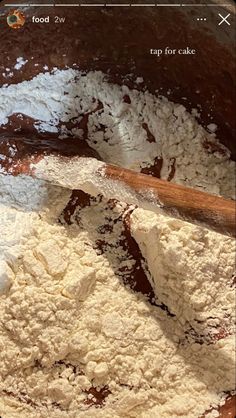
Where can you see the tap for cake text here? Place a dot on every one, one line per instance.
(173, 51)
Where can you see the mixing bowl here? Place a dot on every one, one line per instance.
(118, 40)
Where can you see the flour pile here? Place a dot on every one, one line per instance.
(127, 127)
(77, 337)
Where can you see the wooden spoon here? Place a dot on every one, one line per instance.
(182, 202)
(85, 172)
(177, 201)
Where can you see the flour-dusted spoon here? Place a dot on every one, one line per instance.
(96, 177)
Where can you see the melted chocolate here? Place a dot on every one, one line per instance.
(78, 199)
(155, 169)
(172, 170)
(98, 396)
(67, 147)
(118, 41)
(228, 410)
(150, 136)
(19, 152)
(126, 99)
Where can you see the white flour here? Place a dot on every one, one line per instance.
(71, 324)
(32, 197)
(20, 62)
(67, 321)
(119, 130)
(184, 262)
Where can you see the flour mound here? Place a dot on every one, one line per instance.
(133, 134)
(77, 338)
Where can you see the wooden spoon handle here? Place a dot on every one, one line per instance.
(150, 193)
(181, 202)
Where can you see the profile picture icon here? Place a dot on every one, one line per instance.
(15, 19)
